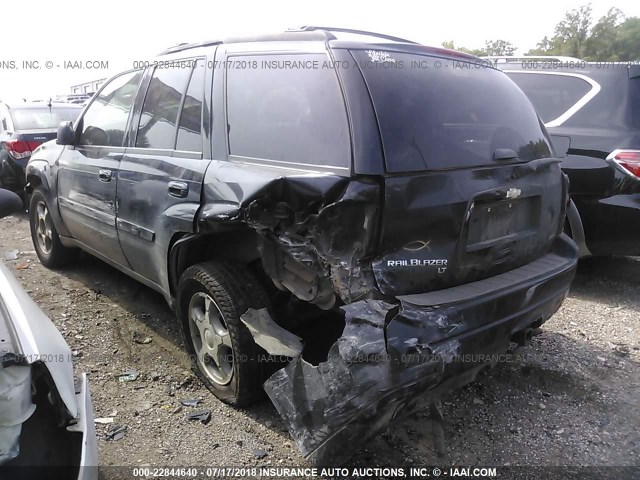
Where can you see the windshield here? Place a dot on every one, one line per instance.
(436, 113)
(42, 118)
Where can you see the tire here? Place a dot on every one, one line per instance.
(211, 298)
(46, 241)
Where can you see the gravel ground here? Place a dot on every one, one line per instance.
(570, 398)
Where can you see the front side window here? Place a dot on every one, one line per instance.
(159, 117)
(105, 120)
(287, 110)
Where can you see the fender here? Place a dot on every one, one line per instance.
(42, 171)
(577, 230)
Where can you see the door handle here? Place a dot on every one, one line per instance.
(178, 189)
(104, 175)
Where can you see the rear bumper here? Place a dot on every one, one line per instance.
(393, 356)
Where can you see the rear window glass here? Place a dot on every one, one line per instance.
(157, 127)
(43, 118)
(436, 113)
(287, 110)
(551, 95)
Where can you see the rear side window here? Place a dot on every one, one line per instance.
(44, 118)
(190, 126)
(439, 114)
(288, 111)
(105, 120)
(159, 116)
(551, 94)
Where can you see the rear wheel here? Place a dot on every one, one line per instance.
(211, 298)
(45, 237)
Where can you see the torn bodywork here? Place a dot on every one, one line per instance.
(395, 359)
(370, 248)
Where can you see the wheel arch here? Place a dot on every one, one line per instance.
(237, 245)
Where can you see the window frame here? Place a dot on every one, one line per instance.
(202, 107)
(285, 164)
(577, 106)
(79, 123)
(140, 102)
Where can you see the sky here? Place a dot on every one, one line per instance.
(72, 33)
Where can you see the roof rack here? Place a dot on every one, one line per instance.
(323, 33)
(186, 46)
(311, 28)
(520, 58)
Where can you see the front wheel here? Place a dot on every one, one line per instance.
(45, 237)
(211, 298)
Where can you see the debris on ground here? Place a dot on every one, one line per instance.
(128, 376)
(103, 420)
(141, 338)
(116, 433)
(259, 453)
(11, 255)
(201, 415)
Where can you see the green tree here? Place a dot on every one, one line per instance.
(628, 40)
(602, 41)
(570, 35)
(611, 38)
(499, 48)
(492, 47)
(451, 46)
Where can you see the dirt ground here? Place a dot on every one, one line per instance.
(570, 398)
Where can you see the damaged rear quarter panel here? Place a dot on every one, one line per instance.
(315, 229)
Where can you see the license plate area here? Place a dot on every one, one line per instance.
(495, 222)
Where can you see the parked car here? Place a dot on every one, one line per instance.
(409, 218)
(23, 127)
(46, 419)
(592, 111)
(80, 98)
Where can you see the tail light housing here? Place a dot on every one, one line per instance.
(629, 160)
(20, 148)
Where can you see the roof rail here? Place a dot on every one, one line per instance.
(186, 46)
(311, 28)
(519, 58)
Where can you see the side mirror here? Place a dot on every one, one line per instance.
(9, 203)
(66, 134)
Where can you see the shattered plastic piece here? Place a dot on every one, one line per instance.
(370, 376)
(201, 415)
(271, 336)
(116, 433)
(190, 402)
(11, 255)
(128, 376)
(103, 420)
(141, 338)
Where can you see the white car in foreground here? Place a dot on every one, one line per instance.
(46, 417)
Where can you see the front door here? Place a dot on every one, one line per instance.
(88, 172)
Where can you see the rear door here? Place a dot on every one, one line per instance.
(471, 188)
(87, 172)
(160, 177)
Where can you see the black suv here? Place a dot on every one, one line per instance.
(592, 112)
(371, 219)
